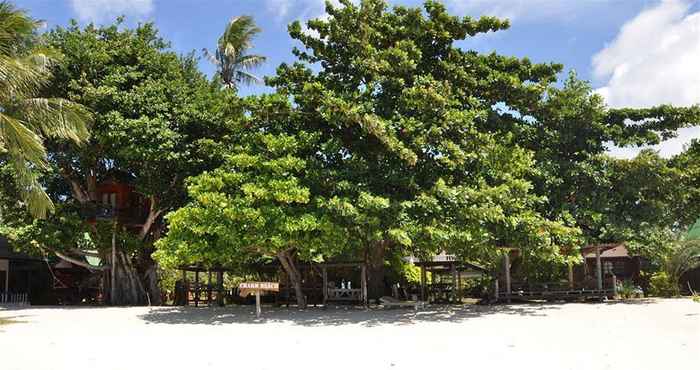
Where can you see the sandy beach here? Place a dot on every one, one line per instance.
(649, 334)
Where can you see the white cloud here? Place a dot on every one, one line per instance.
(654, 59)
(522, 9)
(296, 9)
(105, 10)
(285, 10)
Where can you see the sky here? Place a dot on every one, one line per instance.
(636, 53)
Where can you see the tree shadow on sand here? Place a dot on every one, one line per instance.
(334, 316)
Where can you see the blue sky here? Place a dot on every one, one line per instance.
(637, 52)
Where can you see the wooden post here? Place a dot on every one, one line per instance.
(185, 288)
(495, 288)
(258, 310)
(614, 283)
(598, 268)
(325, 285)
(459, 286)
(113, 270)
(506, 267)
(220, 288)
(571, 276)
(364, 284)
(454, 282)
(422, 283)
(7, 278)
(209, 292)
(196, 288)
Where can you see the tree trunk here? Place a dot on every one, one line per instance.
(125, 288)
(376, 288)
(290, 268)
(150, 279)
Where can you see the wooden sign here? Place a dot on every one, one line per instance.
(255, 287)
(262, 286)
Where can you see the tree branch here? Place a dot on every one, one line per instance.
(153, 214)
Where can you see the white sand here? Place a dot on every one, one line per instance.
(643, 335)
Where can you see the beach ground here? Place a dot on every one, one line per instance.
(639, 334)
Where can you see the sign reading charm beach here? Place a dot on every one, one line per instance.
(256, 288)
(264, 286)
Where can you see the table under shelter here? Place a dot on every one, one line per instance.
(327, 282)
(447, 275)
(198, 290)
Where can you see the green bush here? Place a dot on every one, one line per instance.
(661, 285)
(627, 289)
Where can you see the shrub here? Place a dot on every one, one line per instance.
(627, 289)
(662, 285)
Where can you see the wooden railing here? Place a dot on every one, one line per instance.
(14, 299)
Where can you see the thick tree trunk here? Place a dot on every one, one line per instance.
(127, 288)
(151, 283)
(376, 287)
(290, 268)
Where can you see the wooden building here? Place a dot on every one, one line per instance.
(24, 279)
(615, 260)
(118, 199)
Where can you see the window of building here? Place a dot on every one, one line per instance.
(109, 199)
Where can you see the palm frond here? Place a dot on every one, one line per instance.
(15, 27)
(33, 194)
(19, 79)
(20, 141)
(247, 78)
(211, 58)
(55, 117)
(250, 61)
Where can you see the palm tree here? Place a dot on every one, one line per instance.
(231, 57)
(26, 119)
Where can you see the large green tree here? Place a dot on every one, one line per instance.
(157, 121)
(27, 115)
(256, 207)
(401, 161)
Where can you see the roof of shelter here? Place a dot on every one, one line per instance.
(610, 250)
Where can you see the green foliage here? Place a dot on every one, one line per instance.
(28, 117)
(683, 257)
(157, 121)
(627, 289)
(400, 111)
(254, 206)
(661, 284)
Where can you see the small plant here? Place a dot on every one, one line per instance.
(627, 289)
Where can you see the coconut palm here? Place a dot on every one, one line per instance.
(231, 58)
(26, 118)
